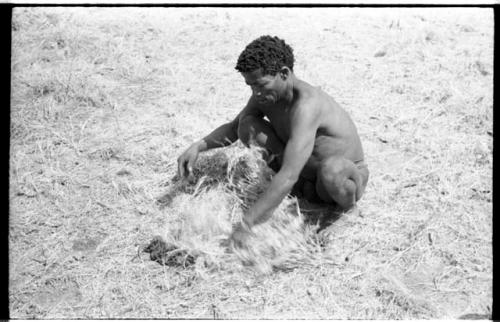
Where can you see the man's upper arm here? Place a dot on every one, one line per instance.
(304, 123)
(250, 109)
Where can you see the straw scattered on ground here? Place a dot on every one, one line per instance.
(204, 213)
(105, 99)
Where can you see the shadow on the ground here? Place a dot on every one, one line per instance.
(321, 214)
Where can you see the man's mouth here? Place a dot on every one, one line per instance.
(265, 99)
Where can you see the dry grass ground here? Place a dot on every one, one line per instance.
(105, 99)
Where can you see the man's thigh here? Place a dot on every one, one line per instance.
(324, 148)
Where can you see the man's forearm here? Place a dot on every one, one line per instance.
(222, 136)
(262, 210)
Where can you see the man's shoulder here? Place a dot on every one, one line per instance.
(308, 106)
(310, 92)
(311, 97)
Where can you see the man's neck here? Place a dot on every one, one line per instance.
(289, 94)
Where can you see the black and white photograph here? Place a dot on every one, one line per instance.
(225, 162)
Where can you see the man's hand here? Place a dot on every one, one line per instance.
(239, 236)
(186, 162)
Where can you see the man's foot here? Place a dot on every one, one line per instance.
(353, 211)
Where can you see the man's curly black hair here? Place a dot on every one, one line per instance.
(268, 53)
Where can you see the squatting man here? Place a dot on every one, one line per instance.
(308, 139)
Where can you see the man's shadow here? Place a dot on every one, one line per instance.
(319, 213)
(314, 210)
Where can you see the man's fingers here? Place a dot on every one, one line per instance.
(239, 239)
(236, 242)
(189, 169)
(185, 164)
(190, 164)
(180, 168)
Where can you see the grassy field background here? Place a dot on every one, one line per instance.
(105, 99)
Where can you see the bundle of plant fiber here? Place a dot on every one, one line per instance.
(283, 242)
(204, 216)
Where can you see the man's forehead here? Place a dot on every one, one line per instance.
(255, 75)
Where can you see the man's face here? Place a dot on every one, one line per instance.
(266, 89)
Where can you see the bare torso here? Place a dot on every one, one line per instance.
(336, 134)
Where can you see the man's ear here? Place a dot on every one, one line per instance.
(284, 72)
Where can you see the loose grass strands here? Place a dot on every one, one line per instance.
(205, 217)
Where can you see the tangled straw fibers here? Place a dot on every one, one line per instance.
(227, 183)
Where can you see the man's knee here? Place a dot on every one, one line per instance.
(333, 171)
(336, 182)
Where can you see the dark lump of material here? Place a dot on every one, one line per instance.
(168, 254)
